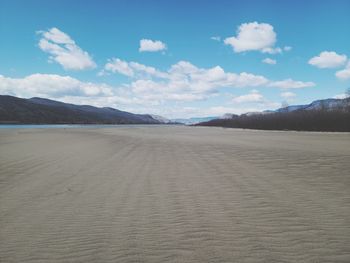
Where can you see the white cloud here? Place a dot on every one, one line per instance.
(344, 74)
(186, 78)
(328, 59)
(63, 50)
(119, 66)
(254, 96)
(288, 95)
(287, 48)
(216, 38)
(254, 36)
(57, 36)
(291, 84)
(131, 69)
(151, 45)
(269, 61)
(184, 81)
(51, 85)
(147, 70)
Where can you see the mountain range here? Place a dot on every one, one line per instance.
(327, 104)
(36, 110)
(320, 115)
(15, 110)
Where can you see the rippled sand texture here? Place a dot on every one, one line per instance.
(173, 194)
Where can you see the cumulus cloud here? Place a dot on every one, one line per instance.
(51, 85)
(288, 95)
(269, 61)
(328, 59)
(117, 65)
(63, 50)
(184, 81)
(131, 69)
(254, 36)
(253, 96)
(291, 84)
(148, 45)
(344, 74)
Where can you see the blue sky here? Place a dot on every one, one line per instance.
(176, 58)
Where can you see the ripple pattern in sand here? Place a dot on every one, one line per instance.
(173, 194)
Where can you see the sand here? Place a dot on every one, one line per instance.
(173, 194)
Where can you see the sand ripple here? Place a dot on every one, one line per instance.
(174, 194)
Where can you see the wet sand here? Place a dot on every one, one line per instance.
(173, 194)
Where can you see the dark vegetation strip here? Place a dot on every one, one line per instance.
(316, 120)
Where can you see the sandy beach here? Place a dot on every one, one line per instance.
(173, 194)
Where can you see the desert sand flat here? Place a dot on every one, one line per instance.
(173, 194)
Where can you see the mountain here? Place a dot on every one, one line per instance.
(193, 120)
(44, 111)
(320, 115)
(327, 104)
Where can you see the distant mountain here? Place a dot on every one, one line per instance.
(320, 115)
(327, 104)
(45, 111)
(193, 120)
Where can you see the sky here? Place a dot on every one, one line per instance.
(177, 59)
